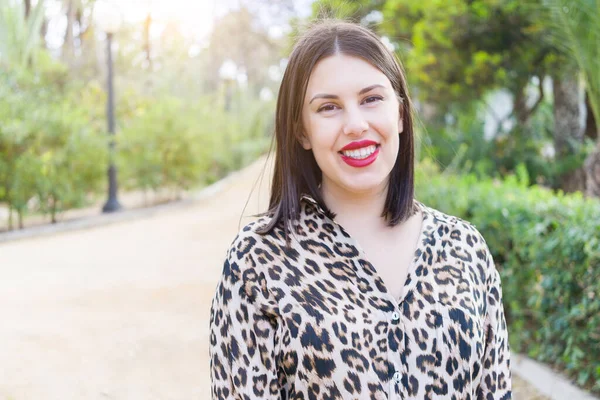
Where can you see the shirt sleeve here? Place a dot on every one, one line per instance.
(496, 378)
(242, 336)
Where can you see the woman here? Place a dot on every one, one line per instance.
(349, 288)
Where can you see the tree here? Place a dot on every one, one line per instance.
(591, 128)
(239, 36)
(568, 131)
(19, 32)
(78, 48)
(575, 28)
(352, 10)
(459, 49)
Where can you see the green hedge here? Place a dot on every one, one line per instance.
(546, 247)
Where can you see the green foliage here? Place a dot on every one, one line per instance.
(168, 143)
(49, 154)
(546, 247)
(159, 148)
(458, 50)
(575, 29)
(459, 146)
(19, 36)
(351, 10)
(243, 134)
(71, 158)
(54, 145)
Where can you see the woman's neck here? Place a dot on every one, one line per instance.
(356, 209)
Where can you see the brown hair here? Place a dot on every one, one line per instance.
(296, 170)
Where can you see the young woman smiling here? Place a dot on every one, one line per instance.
(348, 287)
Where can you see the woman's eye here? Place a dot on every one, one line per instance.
(372, 99)
(327, 107)
(331, 107)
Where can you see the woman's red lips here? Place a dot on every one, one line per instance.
(361, 162)
(359, 144)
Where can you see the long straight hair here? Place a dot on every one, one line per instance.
(296, 170)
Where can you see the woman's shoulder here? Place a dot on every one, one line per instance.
(253, 228)
(463, 243)
(248, 261)
(252, 239)
(457, 229)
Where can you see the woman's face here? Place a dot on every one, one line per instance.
(349, 102)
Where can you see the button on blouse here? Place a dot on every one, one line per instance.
(315, 321)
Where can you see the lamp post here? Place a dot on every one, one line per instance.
(109, 19)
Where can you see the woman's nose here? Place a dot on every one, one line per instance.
(354, 122)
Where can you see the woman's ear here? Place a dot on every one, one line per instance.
(400, 124)
(305, 142)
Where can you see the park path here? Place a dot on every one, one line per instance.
(120, 311)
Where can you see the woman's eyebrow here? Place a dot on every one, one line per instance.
(333, 96)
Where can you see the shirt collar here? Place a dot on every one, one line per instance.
(308, 198)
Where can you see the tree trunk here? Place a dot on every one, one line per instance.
(27, 8)
(68, 46)
(20, 218)
(44, 32)
(591, 129)
(520, 105)
(592, 169)
(520, 109)
(10, 218)
(53, 209)
(568, 131)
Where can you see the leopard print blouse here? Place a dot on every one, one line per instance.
(314, 320)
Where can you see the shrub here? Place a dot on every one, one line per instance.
(500, 155)
(54, 145)
(169, 143)
(547, 249)
(49, 154)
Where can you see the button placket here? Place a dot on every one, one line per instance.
(396, 392)
(400, 368)
(395, 322)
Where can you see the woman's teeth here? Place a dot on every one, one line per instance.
(360, 153)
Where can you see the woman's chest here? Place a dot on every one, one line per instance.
(391, 263)
(340, 322)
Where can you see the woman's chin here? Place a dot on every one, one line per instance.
(364, 185)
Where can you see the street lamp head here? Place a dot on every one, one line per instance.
(228, 70)
(107, 16)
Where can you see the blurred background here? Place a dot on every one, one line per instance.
(109, 105)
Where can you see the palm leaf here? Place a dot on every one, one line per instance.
(19, 36)
(575, 30)
(31, 37)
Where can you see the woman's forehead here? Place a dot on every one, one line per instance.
(344, 73)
